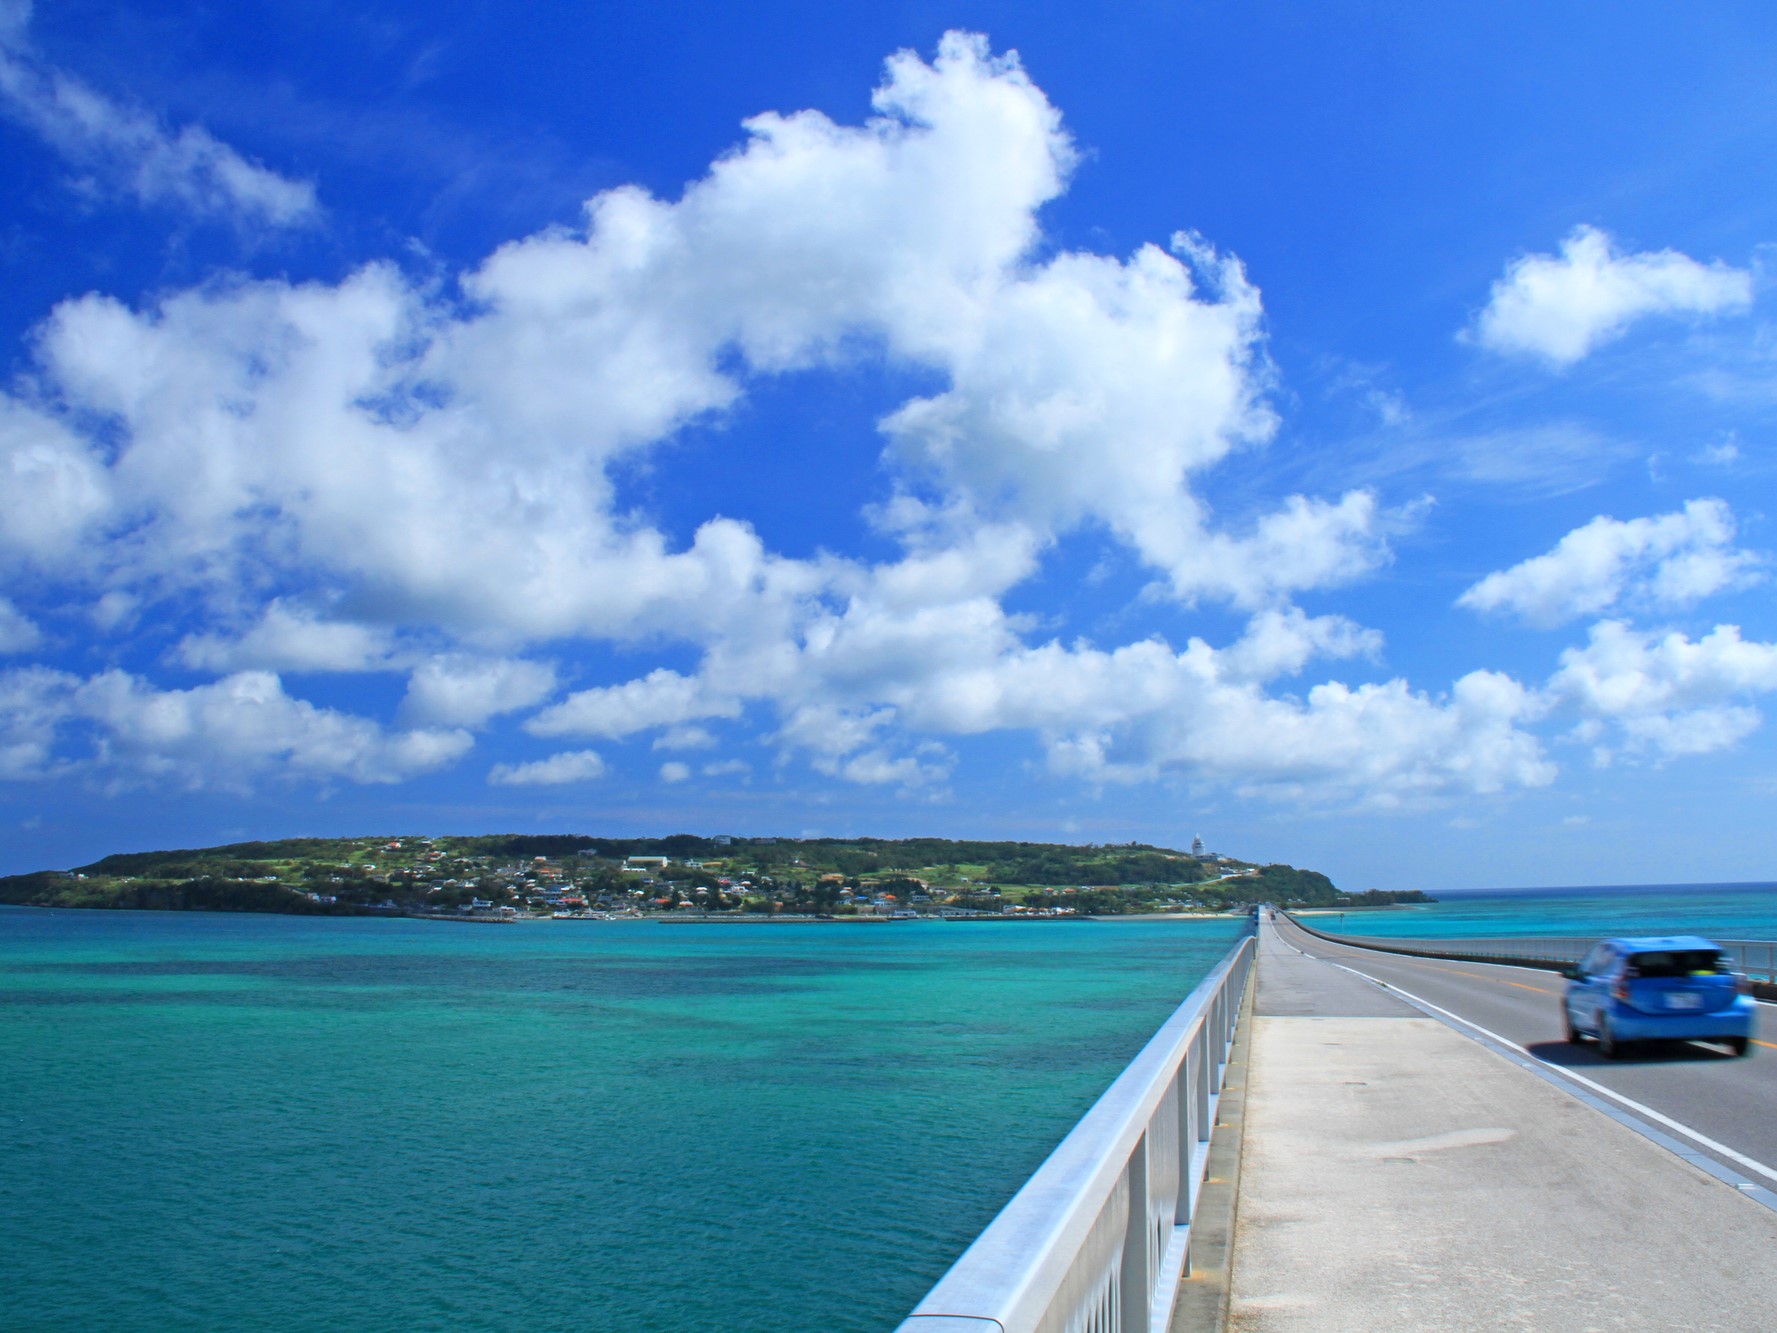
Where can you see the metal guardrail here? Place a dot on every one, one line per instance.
(1757, 959)
(1551, 951)
(1099, 1238)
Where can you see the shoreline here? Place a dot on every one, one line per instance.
(662, 918)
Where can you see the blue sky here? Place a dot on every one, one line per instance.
(1343, 435)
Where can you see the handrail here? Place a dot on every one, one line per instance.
(1757, 959)
(1103, 1227)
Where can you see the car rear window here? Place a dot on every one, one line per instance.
(1675, 963)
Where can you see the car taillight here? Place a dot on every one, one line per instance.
(1621, 989)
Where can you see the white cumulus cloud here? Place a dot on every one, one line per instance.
(1304, 544)
(289, 636)
(556, 770)
(357, 433)
(1560, 307)
(443, 456)
(53, 488)
(457, 689)
(1668, 693)
(222, 734)
(33, 704)
(859, 685)
(1283, 643)
(1666, 560)
(661, 698)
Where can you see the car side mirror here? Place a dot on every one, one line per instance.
(1573, 974)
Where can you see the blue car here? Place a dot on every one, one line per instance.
(1661, 988)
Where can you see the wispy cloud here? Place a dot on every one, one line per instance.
(17, 632)
(129, 151)
(1447, 451)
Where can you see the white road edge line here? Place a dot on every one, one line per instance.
(1703, 1140)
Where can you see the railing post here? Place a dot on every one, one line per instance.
(1205, 1063)
(1187, 1136)
(1223, 1008)
(1136, 1283)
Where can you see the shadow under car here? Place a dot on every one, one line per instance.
(1665, 1052)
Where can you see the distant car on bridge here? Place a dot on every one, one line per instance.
(1658, 988)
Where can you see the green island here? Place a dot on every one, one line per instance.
(511, 877)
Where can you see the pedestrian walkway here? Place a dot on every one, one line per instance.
(1399, 1176)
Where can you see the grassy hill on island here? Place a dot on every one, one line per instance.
(505, 876)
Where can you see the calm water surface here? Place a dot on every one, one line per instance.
(1726, 911)
(231, 1122)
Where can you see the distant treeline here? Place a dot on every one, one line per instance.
(143, 863)
(1386, 897)
(1055, 865)
(1013, 862)
(202, 894)
(1288, 887)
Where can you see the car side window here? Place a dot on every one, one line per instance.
(1596, 961)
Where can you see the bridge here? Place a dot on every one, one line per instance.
(1393, 1141)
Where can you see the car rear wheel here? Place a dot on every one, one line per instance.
(1608, 1045)
(1739, 1045)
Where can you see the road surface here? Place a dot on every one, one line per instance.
(1727, 1105)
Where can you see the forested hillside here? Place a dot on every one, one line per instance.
(511, 875)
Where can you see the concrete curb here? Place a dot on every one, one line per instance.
(1203, 1296)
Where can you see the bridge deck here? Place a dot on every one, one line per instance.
(1398, 1175)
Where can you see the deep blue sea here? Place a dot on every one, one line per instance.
(1725, 911)
(234, 1122)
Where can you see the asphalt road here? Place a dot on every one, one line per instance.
(1701, 1091)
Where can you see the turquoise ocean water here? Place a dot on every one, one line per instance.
(1725, 911)
(233, 1122)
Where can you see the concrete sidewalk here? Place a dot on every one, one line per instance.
(1400, 1176)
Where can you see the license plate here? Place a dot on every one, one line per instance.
(1684, 1002)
